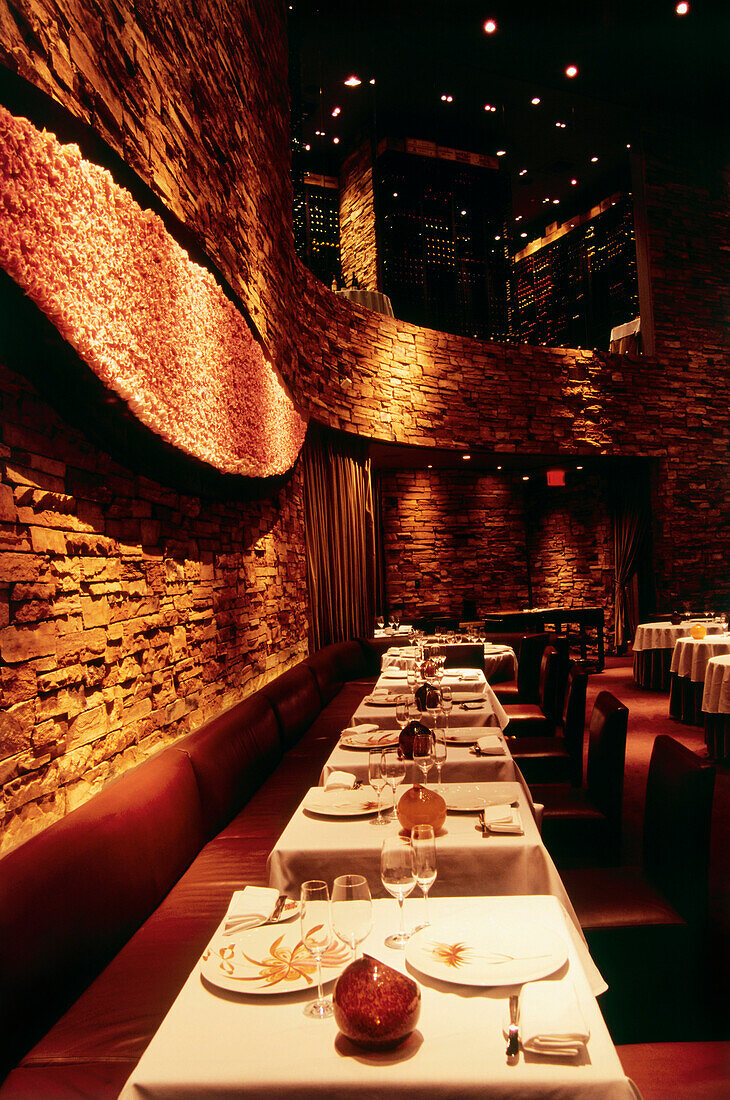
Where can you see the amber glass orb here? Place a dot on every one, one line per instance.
(421, 806)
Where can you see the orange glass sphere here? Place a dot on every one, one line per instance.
(698, 631)
(420, 806)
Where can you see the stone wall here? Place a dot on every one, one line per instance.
(129, 612)
(455, 535)
(358, 233)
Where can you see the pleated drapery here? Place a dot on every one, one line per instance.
(338, 512)
(630, 525)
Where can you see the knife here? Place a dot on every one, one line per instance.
(513, 1031)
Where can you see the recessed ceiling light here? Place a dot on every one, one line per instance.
(353, 81)
(501, 152)
(429, 467)
(573, 183)
(682, 8)
(373, 80)
(487, 106)
(560, 125)
(523, 171)
(535, 101)
(518, 218)
(490, 26)
(555, 202)
(336, 111)
(395, 194)
(628, 144)
(523, 234)
(571, 70)
(498, 238)
(335, 141)
(499, 467)
(466, 457)
(308, 148)
(463, 212)
(579, 467)
(526, 477)
(594, 160)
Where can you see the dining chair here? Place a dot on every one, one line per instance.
(646, 927)
(557, 759)
(526, 687)
(531, 719)
(582, 826)
(463, 655)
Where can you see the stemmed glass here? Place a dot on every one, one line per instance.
(393, 769)
(423, 753)
(433, 702)
(380, 622)
(412, 677)
(395, 620)
(447, 704)
(424, 860)
(398, 876)
(314, 917)
(352, 910)
(439, 751)
(377, 782)
(402, 710)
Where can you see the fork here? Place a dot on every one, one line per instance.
(513, 1031)
(240, 924)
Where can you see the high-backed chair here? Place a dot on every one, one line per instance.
(462, 655)
(583, 826)
(526, 687)
(558, 759)
(530, 719)
(645, 926)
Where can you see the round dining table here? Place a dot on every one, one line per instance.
(716, 707)
(653, 647)
(687, 674)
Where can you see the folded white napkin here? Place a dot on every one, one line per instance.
(254, 902)
(360, 727)
(503, 819)
(339, 781)
(474, 704)
(551, 1021)
(468, 677)
(491, 745)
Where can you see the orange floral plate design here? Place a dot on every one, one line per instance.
(486, 953)
(267, 960)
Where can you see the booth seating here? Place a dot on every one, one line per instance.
(104, 914)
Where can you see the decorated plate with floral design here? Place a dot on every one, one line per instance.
(339, 803)
(486, 952)
(268, 960)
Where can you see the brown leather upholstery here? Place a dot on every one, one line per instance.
(296, 700)
(529, 660)
(584, 826)
(645, 928)
(74, 894)
(232, 755)
(462, 655)
(558, 759)
(537, 719)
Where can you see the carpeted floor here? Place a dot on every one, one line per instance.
(649, 716)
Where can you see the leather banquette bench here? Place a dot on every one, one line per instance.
(104, 914)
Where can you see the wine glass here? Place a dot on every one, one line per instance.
(423, 753)
(424, 861)
(412, 677)
(377, 782)
(314, 918)
(352, 910)
(393, 769)
(439, 751)
(433, 702)
(380, 622)
(402, 710)
(395, 620)
(398, 876)
(447, 704)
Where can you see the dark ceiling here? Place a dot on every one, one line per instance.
(633, 59)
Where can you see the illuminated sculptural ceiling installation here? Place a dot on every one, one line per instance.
(154, 326)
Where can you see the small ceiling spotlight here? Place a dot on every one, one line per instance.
(373, 80)
(523, 171)
(525, 477)
(466, 457)
(574, 183)
(594, 160)
(490, 26)
(336, 111)
(523, 234)
(535, 101)
(501, 152)
(682, 8)
(335, 141)
(571, 71)
(353, 81)
(447, 98)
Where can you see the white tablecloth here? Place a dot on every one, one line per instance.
(716, 694)
(488, 712)
(500, 659)
(312, 846)
(221, 1046)
(665, 635)
(461, 765)
(369, 299)
(691, 655)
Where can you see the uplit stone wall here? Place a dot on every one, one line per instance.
(456, 535)
(358, 234)
(129, 612)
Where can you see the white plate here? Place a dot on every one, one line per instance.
(387, 699)
(341, 803)
(394, 674)
(485, 952)
(382, 739)
(464, 735)
(268, 960)
(464, 797)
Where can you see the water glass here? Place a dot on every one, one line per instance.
(439, 751)
(314, 918)
(393, 770)
(377, 782)
(397, 873)
(424, 861)
(352, 910)
(402, 710)
(423, 753)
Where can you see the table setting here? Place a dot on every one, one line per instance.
(654, 644)
(687, 673)
(496, 986)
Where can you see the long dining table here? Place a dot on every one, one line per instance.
(501, 924)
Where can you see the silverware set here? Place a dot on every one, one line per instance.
(254, 920)
(513, 1032)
